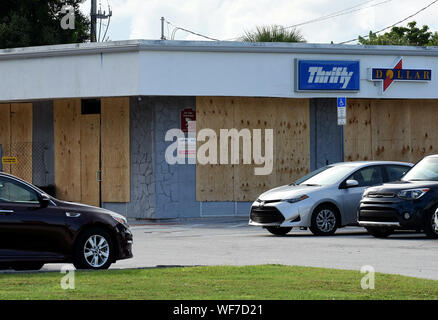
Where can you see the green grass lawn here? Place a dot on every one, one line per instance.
(217, 283)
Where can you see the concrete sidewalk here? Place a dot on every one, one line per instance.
(182, 221)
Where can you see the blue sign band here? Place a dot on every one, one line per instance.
(322, 75)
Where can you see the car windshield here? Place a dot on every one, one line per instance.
(326, 176)
(310, 175)
(425, 170)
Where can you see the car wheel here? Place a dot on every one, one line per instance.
(431, 224)
(379, 232)
(27, 266)
(324, 221)
(279, 231)
(94, 250)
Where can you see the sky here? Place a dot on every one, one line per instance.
(229, 19)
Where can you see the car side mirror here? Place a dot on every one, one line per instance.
(351, 184)
(44, 200)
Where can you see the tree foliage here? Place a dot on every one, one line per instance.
(403, 36)
(26, 23)
(273, 33)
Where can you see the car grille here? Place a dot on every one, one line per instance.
(266, 215)
(268, 201)
(381, 195)
(378, 215)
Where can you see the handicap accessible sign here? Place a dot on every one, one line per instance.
(342, 111)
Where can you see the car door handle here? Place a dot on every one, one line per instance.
(6, 212)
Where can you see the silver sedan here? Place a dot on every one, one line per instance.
(325, 199)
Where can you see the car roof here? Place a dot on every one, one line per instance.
(367, 163)
(432, 156)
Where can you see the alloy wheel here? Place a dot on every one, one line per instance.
(96, 251)
(326, 220)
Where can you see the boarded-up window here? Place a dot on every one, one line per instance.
(115, 150)
(16, 138)
(289, 119)
(67, 128)
(398, 130)
(92, 162)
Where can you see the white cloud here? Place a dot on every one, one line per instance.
(225, 19)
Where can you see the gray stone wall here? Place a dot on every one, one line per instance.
(43, 152)
(175, 184)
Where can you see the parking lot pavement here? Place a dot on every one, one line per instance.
(233, 242)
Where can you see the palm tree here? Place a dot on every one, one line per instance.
(273, 33)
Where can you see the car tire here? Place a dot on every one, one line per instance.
(429, 224)
(94, 250)
(279, 231)
(325, 221)
(379, 232)
(27, 266)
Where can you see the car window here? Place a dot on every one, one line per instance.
(331, 175)
(425, 170)
(13, 191)
(310, 175)
(395, 172)
(368, 176)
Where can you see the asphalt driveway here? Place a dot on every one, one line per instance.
(232, 242)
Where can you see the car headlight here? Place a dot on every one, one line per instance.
(296, 199)
(120, 220)
(412, 194)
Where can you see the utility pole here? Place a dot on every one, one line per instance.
(93, 20)
(162, 29)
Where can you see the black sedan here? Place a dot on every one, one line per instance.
(36, 229)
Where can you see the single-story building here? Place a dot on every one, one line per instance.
(91, 119)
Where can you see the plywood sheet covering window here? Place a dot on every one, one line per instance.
(254, 114)
(390, 129)
(16, 138)
(21, 140)
(115, 150)
(357, 132)
(399, 130)
(67, 127)
(424, 129)
(214, 182)
(293, 140)
(289, 119)
(90, 159)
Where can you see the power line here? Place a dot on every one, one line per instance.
(393, 25)
(176, 28)
(332, 15)
(337, 14)
(322, 18)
